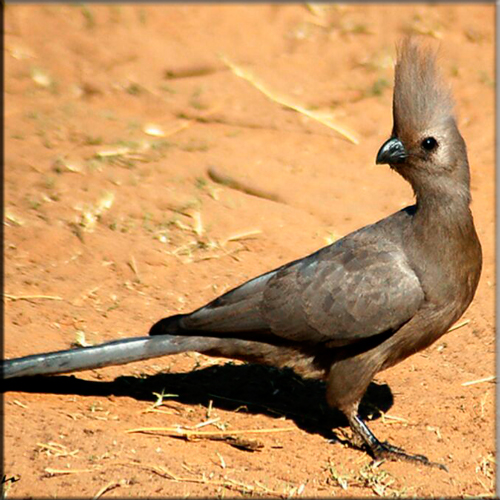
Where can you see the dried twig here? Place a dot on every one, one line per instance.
(322, 118)
(491, 378)
(58, 450)
(459, 325)
(110, 486)
(186, 432)
(157, 131)
(133, 265)
(30, 297)
(392, 418)
(226, 180)
(235, 441)
(241, 236)
(191, 71)
(52, 471)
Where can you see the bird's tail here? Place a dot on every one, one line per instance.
(118, 352)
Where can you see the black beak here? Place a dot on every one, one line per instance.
(392, 152)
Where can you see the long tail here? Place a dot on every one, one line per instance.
(118, 352)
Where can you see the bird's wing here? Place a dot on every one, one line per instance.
(347, 291)
(235, 312)
(342, 293)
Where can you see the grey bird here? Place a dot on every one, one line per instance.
(360, 305)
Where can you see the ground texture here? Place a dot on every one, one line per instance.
(117, 121)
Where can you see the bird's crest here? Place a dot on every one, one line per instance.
(421, 98)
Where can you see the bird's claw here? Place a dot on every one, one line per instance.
(387, 451)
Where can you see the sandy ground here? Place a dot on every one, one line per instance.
(113, 117)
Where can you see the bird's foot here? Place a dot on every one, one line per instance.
(387, 451)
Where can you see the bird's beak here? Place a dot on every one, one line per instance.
(392, 152)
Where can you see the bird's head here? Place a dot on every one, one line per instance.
(425, 146)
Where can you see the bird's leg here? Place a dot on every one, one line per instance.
(381, 451)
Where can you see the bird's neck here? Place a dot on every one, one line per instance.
(443, 203)
(442, 229)
(442, 241)
(437, 216)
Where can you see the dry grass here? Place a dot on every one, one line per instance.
(369, 476)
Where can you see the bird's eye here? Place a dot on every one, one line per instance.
(429, 143)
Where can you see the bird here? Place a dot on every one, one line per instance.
(360, 305)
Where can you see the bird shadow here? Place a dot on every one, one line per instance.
(252, 388)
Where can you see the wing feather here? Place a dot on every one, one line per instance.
(342, 294)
